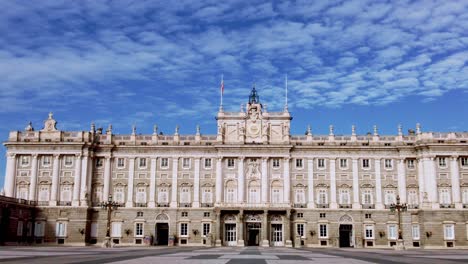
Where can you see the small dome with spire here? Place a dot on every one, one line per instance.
(253, 97)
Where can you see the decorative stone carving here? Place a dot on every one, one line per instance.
(162, 217)
(346, 219)
(252, 169)
(50, 124)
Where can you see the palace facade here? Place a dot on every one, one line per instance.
(253, 183)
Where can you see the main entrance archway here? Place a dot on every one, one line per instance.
(162, 230)
(346, 231)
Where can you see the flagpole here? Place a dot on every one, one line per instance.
(286, 93)
(221, 92)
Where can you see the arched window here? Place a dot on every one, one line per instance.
(163, 195)
(254, 192)
(413, 197)
(299, 196)
(231, 192)
(276, 192)
(141, 195)
(185, 195)
(65, 194)
(44, 193)
(207, 196)
(344, 197)
(367, 196)
(322, 196)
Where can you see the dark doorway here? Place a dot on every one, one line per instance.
(253, 234)
(345, 235)
(162, 234)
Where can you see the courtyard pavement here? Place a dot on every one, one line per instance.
(231, 255)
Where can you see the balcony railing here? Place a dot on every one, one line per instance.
(345, 205)
(413, 206)
(465, 205)
(368, 206)
(207, 205)
(43, 203)
(185, 204)
(299, 205)
(323, 205)
(140, 204)
(64, 203)
(447, 206)
(162, 204)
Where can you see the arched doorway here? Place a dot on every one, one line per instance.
(346, 231)
(162, 230)
(277, 238)
(254, 226)
(230, 230)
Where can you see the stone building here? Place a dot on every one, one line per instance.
(253, 183)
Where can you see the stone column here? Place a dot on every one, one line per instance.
(175, 170)
(455, 180)
(401, 180)
(55, 181)
(333, 204)
(107, 178)
(85, 191)
(77, 181)
(265, 241)
(310, 184)
(10, 175)
(241, 183)
(378, 185)
(287, 182)
(219, 180)
(431, 182)
(152, 203)
(265, 184)
(241, 242)
(287, 229)
(196, 184)
(421, 181)
(356, 202)
(131, 177)
(218, 229)
(33, 185)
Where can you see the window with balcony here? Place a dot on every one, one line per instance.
(344, 197)
(367, 197)
(141, 196)
(65, 194)
(390, 197)
(299, 196)
(412, 199)
(410, 163)
(444, 196)
(185, 195)
(163, 196)
(322, 197)
(207, 196)
(231, 195)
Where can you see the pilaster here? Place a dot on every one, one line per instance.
(107, 177)
(401, 180)
(196, 184)
(241, 181)
(55, 181)
(310, 183)
(356, 203)
(287, 181)
(152, 203)
(378, 184)
(10, 175)
(131, 176)
(455, 180)
(77, 181)
(175, 172)
(219, 180)
(265, 181)
(333, 204)
(33, 185)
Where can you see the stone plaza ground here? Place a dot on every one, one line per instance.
(257, 255)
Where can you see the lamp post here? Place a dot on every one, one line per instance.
(110, 206)
(398, 207)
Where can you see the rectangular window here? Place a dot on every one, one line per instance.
(162, 195)
(388, 163)
(344, 197)
(300, 196)
(322, 196)
(323, 231)
(299, 163)
(39, 229)
(116, 229)
(365, 163)
(206, 229)
(184, 214)
(207, 163)
(99, 162)
(390, 197)
(164, 162)
(442, 162)
(300, 215)
(139, 229)
(186, 162)
(24, 160)
(61, 229)
(322, 215)
(68, 160)
(392, 232)
(276, 163)
(449, 232)
(367, 197)
(207, 196)
(300, 229)
(368, 216)
(343, 163)
(183, 229)
(142, 162)
(206, 214)
(19, 229)
(464, 161)
(444, 196)
(321, 163)
(415, 232)
(410, 163)
(45, 161)
(230, 163)
(141, 195)
(369, 231)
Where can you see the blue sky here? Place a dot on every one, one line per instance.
(151, 62)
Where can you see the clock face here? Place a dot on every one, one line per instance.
(254, 129)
